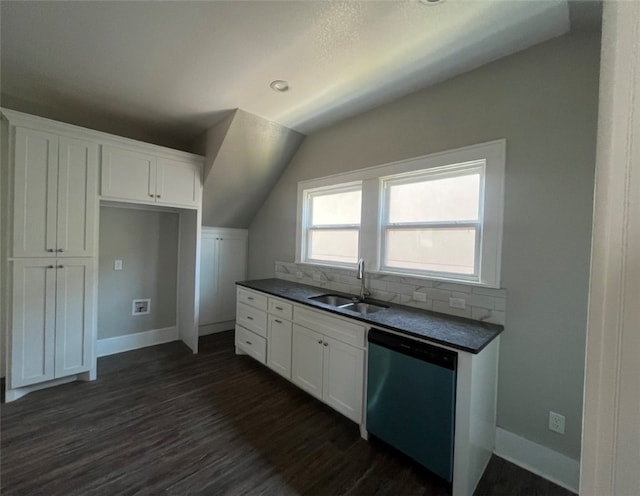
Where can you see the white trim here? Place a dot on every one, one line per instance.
(235, 233)
(610, 433)
(134, 341)
(540, 460)
(494, 155)
(207, 329)
(17, 393)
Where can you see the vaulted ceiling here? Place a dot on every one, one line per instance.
(166, 72)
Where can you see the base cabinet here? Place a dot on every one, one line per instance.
(53, 313)
(322, 354)
(330, 370)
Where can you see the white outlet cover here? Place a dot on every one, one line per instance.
(117, 265)
(299, 275)
(418, 296)
(457, 303)
(556, 422)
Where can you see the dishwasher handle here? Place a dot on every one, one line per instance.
(418, 349)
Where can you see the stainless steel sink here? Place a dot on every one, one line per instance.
(363, 308)
(333, 300)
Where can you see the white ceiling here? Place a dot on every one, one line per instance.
(175, 69)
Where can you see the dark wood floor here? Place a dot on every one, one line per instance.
(164, 421)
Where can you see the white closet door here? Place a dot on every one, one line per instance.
(208, 279)
(232, 267)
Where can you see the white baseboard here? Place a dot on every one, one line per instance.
(14, 394)
(128, 342)
(545, 462)
(217, 327)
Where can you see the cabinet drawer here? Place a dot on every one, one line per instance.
(252, 318)
(334, 327)
(280, 308)
(252, 298)
(249, 342)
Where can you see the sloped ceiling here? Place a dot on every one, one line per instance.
(166, 71)
(174, 73)
(245, 156)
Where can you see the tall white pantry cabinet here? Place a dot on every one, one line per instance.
(50, 209)
(52, 180)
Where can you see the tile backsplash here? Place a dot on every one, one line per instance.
(484, 304)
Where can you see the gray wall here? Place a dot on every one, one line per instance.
(242, 166)
(147, 244)
(544, 102)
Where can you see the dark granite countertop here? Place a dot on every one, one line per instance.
(456, 332)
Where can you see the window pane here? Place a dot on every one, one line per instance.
(448, 199)
(435, 250)
(336, 208)
(333, 245)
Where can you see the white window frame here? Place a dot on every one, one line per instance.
(455, 170)
(307, 226)
(493, 154)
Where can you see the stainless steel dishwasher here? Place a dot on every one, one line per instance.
(411, 392)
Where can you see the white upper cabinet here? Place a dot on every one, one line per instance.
(128, 175)
(144, 177)
(178, 182)
(55, 195)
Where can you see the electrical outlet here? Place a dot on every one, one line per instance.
(556, 422)
(457, 303)
(317, 277)
(299, 274)
(117, 265)
(418, 296)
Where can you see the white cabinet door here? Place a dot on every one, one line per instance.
(279, 346)
(307, 351)
(178, 183)
(232, 267)
(75, 282)
(55, 195)
(208, 279)
(223, 262)
(77, 198)
(36, 195)
(343, 378)
(128, 175)
(33, 323)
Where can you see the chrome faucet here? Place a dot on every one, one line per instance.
(360, 275)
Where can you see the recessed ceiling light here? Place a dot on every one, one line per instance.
(279, 85)
(430, 2)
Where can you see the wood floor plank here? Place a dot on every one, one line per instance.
(164, 421)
